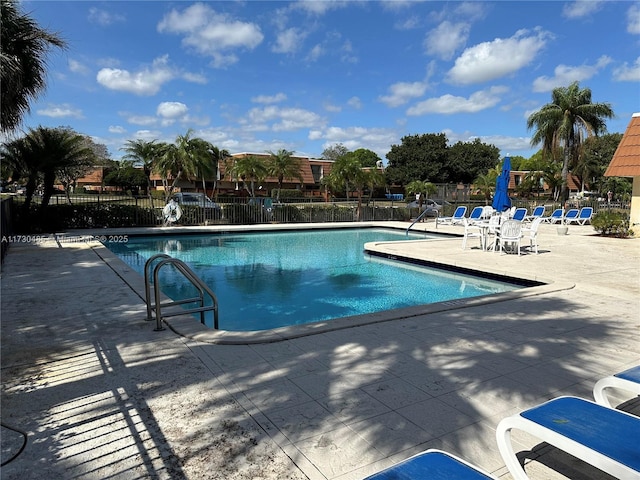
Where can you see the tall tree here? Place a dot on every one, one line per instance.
(366, 157)
(142, 153)
(24, 47)
(334, 152)
(597, 152)
(419, 157)
(283, 165)
(566, 122)
(467, 160)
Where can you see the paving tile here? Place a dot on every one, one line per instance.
(396, 393)
(322, 384)
(354, 406)
(277, 395)
(391, 433)
(435, 417)
(303, 421)
(337, 452)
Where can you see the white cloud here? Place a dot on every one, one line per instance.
(62, 110)
(355, 102)
(211, 33)
(628, 73)
(194, 78)
(148, 135)
(144, 120)
(104, 18)
(117, 129)
(502, 56)
(581, 8)
(281, 119)
(565, 75)
(77, 67)
(329, 107)
(633, 19)
(145, 82)
(402, 92)
(289, 41)
(278, 97)
(315, 7)
(172, 110)
(446, 38)
(375, 139)
(408, 23)
(315, 53)
(450, 104)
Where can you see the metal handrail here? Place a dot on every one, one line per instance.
(420, 216)
(189, 275)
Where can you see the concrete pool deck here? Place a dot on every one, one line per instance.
(102, 395)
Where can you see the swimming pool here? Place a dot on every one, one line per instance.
(269, 280)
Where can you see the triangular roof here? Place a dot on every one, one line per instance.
(626, 160)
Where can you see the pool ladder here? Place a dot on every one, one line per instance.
(156, 304)
(419, 218)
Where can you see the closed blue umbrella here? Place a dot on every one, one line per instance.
(501, 200)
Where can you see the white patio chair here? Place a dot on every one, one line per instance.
(533, 233)
(471, 231)
(493, 231)
(510, 234)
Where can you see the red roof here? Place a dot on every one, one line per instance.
(626, 160)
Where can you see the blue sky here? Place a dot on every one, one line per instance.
(265, 75)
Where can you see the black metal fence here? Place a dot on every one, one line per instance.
(113, 211)
(101, 211)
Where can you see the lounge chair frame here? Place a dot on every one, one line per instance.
(434, 465)
(455, 219)
(605, 438)
(629, 381)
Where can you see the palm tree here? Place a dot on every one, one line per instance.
(250, 168)
(44, 153)
(188, 156)
(23, 50)
(423, 189)
(487, 183)
(142, 153)
(204, 155)
(282, 165)
(345, 173)
(566, 122)
(218, 156)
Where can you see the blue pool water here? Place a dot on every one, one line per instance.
(275, 279)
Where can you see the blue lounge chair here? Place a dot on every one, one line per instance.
(455, 219)
(606, 438)
(556, 216)
(434, 465)
(476, 214)
(629, 381)
(519, 214)
(583, 217)
(571, 215)
(538, 212)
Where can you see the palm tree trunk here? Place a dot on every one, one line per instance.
(564, 191)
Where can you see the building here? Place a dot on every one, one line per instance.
(312, 171)
(626, 163)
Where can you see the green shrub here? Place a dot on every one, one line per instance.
(612, 224)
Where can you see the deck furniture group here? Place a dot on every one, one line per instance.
(505, 232)
(593, 431)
